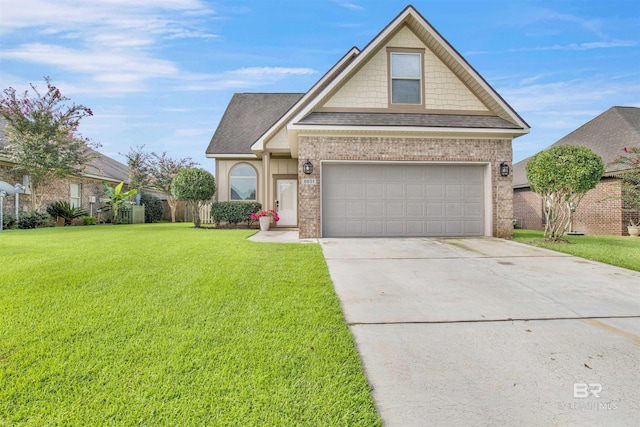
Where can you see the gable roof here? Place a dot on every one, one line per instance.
(247, 117)
(441, 48)
(100, 167)
(252, 122)
(605, 135)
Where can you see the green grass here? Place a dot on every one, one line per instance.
(614, 250)
(165, 324)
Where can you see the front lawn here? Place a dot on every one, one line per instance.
(164, 324)
(614, 250)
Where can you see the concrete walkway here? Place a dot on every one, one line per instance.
(490, 332)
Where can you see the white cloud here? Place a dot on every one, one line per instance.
(98, 63)
(348, 5)
(109, 41)
(242, 78)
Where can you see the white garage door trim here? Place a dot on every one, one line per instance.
(487, 189)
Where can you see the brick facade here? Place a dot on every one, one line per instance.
(599, 212)
(54, 191)
(318, 148)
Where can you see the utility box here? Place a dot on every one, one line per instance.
(137, 215)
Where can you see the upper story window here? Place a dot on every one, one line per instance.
(243, 182)
(76, 195)
(406, 78)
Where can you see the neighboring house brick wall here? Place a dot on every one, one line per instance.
(53, 191)
(318, 148)
(527, 208)
(599, 211)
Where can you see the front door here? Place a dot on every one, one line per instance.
(287, 202)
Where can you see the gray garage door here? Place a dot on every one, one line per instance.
(360, 199)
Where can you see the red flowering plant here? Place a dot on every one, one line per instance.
(273, 214)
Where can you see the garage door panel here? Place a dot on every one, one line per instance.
(375, 210)
(375, 228)
(360, 199)
(435, 191)
(395, 228)
(453, 228)
(435, 228)
(375, 191)
(394, 173)
(353, 228)
(354, 190)
(415, 209)
(416, 228)
(473, 210)
(415, 191)
(354, 209)
(473, 228)
(395, 191)
(454, 209)
(394, 209)
(473, 192)
(435, 209)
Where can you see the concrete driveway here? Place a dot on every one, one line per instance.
(490, 332)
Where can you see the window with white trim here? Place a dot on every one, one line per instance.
(243, 182)
(406, 78)
(76, 195)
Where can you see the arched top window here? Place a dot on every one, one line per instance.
(243, 182)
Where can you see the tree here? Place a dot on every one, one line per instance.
(116, 199)
(42, 139)
(562, 176)
(630, 182)
(140, 165)
(156, 171)
(196, 187)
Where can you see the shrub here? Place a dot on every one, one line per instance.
(66, 211)
(8, 221)
(34, 220)
(234, 212)
(89, 220)
(153, 209)
(196, 187)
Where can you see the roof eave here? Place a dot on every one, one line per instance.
(258, 146)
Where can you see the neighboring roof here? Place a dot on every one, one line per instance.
(246, 118)
(407, 119)
(100, 167)
(605, 135)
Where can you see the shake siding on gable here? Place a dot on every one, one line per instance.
(369, 88)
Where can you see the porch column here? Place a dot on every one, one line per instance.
(267, 203)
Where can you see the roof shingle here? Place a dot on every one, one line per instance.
(408, 119)
(246, 118)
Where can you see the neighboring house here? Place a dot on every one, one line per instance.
(600, 211)
(84, 191)
(404, 138)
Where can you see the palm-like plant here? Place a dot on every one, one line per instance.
(116, 199)
(66, 211)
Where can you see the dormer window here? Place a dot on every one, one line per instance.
(406, 78)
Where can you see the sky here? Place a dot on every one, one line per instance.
(160, 73)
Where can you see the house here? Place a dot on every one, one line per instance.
(84, 191)
(600, 211)
(401, 138)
